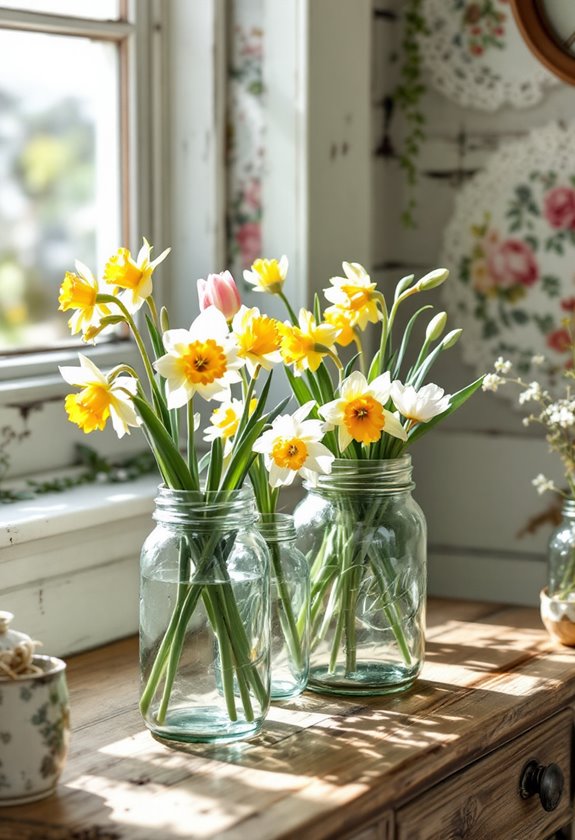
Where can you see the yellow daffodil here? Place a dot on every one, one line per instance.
(267, 275)
(341, 319)
(356, 293)
(419, 406)
(257, 338)
(202, 359)
(305, 346)
(359, 413)
(134, 276)
(225, 420)
(99, 398)
(78, 291)
(293, 446)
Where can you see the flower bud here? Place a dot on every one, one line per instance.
(164, 319)
(403, 284)
(436, 326)
(451, 338)
(433, 279)
(220, 290)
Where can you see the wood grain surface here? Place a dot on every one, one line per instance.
(323, 767)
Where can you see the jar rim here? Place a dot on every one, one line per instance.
(210, 508)
(276, 526)
(381, 476)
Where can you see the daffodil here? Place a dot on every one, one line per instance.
(134, 276)
(225, 420)
(257, 338)
(341, 318)
(359, 413)
(200, 360)
(99, 398)
(293, 446)
(78, 291)
(419, 406)
(267, 275)
(305, 346)
(356, 293)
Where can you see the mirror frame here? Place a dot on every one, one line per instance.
(536, 35)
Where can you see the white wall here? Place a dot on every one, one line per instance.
(474, 474)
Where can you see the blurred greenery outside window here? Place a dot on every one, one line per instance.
(62, 157)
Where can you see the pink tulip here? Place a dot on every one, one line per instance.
(220, 290)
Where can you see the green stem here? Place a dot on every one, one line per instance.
(293, 316)
(287, 619)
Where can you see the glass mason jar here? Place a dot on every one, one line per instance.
(205, 618)
(364, 537)
(561, 558)
(290, 606)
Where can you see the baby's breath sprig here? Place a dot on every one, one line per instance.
(554, 412)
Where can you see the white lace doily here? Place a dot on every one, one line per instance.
(476, 56)
(510, 247)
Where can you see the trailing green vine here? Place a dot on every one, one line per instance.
(407, 97)
(95, 469)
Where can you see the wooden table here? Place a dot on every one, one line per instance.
(440, 761)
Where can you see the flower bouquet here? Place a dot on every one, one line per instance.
(363, 535)
(555, 414)
(205, 586)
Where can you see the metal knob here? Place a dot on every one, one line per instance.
(547, 781)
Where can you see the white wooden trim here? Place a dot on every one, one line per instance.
(194, 160)
(486, 577)
(69, 563)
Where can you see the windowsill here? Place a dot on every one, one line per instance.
(90, 505)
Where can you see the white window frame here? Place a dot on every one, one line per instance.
(37, 373)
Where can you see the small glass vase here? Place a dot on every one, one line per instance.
(364, 537)
(205, 618)
(558, 598)
(290, 607)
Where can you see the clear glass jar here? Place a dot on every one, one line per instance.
(561, 557)
(290, 606)
(205, 618)
(364, 538)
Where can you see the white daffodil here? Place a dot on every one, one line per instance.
(200, 360)
(99, 399)
(133, 277)
(422, 405)
(293, 446)
(268, 275)
(258, 339)
(359, 413)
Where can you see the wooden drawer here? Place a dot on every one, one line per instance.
(482, 802)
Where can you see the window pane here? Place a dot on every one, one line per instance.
(59, 171)
(98, 9)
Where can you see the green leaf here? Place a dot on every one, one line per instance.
(325, 383)
(350, 365)
(406, 336)
(155, 338)
(316, 308)
(457, 401)
(300, 390)
(174, 469)
(215, 465)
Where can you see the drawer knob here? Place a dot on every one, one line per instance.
(547, 781)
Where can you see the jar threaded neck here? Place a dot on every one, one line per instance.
(276, 527)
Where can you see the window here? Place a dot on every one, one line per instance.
(67, 140)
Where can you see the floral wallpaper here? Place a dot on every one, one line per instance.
(245, 123)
